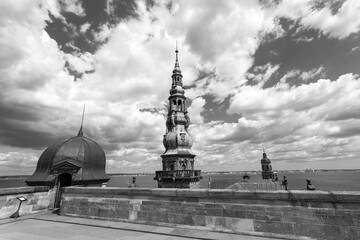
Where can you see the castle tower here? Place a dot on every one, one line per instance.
(267, 172)
(178, 159)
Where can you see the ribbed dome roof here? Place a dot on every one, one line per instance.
(80, 153)
(172, 140)
(265, 159)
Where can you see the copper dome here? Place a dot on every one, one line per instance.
(79, 156)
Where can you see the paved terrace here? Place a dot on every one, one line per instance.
(47, 225)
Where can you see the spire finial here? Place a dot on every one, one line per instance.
(82, 121)
(264, 153)
(177, 59)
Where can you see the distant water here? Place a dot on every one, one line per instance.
(11, 183)
(328, 181)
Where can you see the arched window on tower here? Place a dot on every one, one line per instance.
(179, 105)
(174, 104)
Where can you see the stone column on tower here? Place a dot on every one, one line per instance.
(178, 159)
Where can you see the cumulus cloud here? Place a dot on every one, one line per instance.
(33, 78)
(227, 48)
(131, 71)
(263, 73)
(195, 110)
(85, 27)
(337, 19)
(308, 123)
(303, 75)
(73, 6)
(304, 39)
(290, 74)
(315, 72)
(22, 161)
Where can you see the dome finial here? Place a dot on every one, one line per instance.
(82, 121)
(264, 153)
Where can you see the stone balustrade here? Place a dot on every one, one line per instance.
(315, 214)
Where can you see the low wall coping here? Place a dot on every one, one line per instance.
(23, 190)
(282, 195)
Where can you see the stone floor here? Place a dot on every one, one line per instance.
(49, 226)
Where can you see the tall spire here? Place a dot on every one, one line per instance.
(82, 121)
(178, 159)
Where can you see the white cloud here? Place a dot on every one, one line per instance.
(304, 39)
(21, 161)
(73, 6)
(103, 34)
(290, 74)
(345, 22)
(354, 49)
(297, 125)
(81, 62)
(227, 48)
(305, 76)
(339, 25)
(263, 73)
(196, 108)
(85, 27)
(298, 98)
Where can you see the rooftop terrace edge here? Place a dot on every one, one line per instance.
(23, 190)
(339, 197)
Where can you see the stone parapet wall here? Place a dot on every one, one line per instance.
(38, 199)
(317, 214)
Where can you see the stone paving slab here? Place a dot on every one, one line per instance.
(51, 226)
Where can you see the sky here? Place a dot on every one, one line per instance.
(278, 75)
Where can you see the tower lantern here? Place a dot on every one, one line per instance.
(178, 159)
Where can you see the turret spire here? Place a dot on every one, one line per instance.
(177, 76)
(82, 121)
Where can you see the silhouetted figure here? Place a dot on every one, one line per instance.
(209, 183)
(285, 183)
(246, 177)
(309, 186)
(133, 184)
(275, 177)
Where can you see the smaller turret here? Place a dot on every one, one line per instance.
(267, 172)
